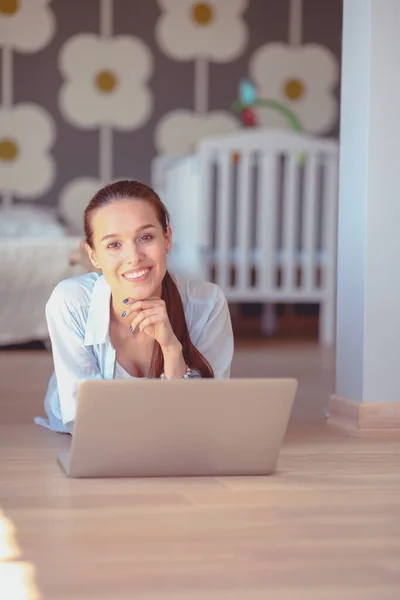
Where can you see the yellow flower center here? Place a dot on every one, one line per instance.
(202, 13)
(8, 7)
(8, 150)
(106, 82)
(294, 89)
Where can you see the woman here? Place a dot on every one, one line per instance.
(132, 319)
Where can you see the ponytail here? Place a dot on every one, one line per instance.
(193, 358)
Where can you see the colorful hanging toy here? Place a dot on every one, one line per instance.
(248, 100)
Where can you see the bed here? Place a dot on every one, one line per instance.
(35, 249)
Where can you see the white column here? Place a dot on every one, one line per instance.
(368, 320)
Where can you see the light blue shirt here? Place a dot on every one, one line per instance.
(78, 319)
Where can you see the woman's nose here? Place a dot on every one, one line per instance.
(133, 254)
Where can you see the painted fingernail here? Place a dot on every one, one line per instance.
(138, 329)
(125, 301)
(131, 328)
(124, 314)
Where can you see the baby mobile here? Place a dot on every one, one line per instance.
(248, 102)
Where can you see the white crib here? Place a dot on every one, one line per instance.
(256, 212)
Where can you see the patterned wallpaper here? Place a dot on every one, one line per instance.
(91, 91)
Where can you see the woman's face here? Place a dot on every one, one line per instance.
(130, 247)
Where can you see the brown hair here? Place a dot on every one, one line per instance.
(135, 190)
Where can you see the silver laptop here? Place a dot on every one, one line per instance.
(197, 427)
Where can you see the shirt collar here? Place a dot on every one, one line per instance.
(98, 323)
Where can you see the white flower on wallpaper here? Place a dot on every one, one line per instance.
(105, 81)
(179, 131)
(303, 78)
(27, 133)
(26, 25)
(74, 198)
(213, 30)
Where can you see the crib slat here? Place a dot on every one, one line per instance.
(185, 257)
(244, 222)
(223, 210)
(206, 218)
(266, 221)
(309, 225)
(290, 211)
(329, 222)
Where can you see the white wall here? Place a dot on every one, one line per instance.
(368, 351)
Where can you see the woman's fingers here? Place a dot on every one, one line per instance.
(153, 320)
(140, 305)
(143, 314)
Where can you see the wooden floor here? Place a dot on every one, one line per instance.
(325, 527)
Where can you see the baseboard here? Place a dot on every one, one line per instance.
(364, 418)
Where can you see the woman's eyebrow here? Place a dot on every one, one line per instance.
(111, 235)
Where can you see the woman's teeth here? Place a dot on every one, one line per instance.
(137, 274)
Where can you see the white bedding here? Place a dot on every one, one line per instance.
(30, 267)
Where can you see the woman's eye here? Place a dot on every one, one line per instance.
(113, 245)
(146, 237)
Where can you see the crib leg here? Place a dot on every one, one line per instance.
(268, 319)
(327, 323)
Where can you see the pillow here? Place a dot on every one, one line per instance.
(23, 220)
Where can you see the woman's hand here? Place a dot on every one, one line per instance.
(150, 317)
